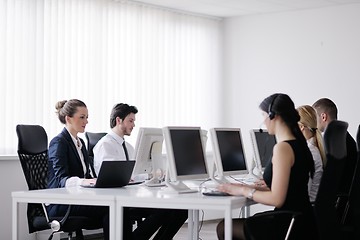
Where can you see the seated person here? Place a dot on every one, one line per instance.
(327, 111)
(69, 163)
(112, 146)
(314, 140)
(286, 176)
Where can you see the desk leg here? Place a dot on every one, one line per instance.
(190, 224)
(245, 212)
(196, 224)
(15, 222)
(112, 223)
(119, 222)
(193, 224)
(228, 224)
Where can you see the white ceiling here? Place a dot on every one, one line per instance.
(231, 8)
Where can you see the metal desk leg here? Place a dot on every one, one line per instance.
(196, 224)
(245, 212)
(228, 224)
(15, 218)
(118, 223)
(190, 224)
(193, 224)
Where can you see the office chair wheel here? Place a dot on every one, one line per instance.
(55, 225)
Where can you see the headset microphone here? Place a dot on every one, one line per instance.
(260, 129)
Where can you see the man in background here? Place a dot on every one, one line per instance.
(113, 147)
(327, 112)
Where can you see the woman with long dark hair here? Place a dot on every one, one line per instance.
(287, 175)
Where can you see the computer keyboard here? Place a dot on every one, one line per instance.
(215, 193)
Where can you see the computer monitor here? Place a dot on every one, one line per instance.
(229, 157)
(263, 144)
(186, 156)
(148, 154)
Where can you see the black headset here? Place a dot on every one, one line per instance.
(270, 111)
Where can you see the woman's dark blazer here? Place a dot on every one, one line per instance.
(64, 160)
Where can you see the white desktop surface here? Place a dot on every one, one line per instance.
(132, 196)
(76, 195)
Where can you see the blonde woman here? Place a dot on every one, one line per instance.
(314, 140)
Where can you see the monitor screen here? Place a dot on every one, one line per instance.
(228, 150)
(186, 153)
(263, 144)
(148, 151)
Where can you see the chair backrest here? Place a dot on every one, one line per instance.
(33, 155)
(92, 139)
(327, 196)
(351, 215)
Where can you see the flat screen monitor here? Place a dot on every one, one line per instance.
(186, 156)
(228, 151)
(148, 154)
(263, 144)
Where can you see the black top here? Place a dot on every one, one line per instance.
(297, 197)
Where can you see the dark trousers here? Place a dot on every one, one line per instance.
(166, 222)
(96, 213)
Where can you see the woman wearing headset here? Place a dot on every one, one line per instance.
(287, 176)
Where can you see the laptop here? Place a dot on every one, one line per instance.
(113, 174)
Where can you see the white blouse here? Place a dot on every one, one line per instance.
(314, 183)
(76, 181)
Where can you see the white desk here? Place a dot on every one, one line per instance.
(132, 196)
(141, 196)
(98, 197)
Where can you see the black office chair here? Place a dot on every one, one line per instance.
(92, 139)
(33, 155)
(327, 201)
(351, 216)
(271, 225)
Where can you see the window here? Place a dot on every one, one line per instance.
(166, 63)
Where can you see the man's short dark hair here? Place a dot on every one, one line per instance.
(325, 105)
(121, 110)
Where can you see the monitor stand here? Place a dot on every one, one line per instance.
(178, 186)
(220, 179)
(157, 180)
(255, 169)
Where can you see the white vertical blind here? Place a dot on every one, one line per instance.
(166, 63)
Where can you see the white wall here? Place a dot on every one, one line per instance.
(11, 179)
(307, 54)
